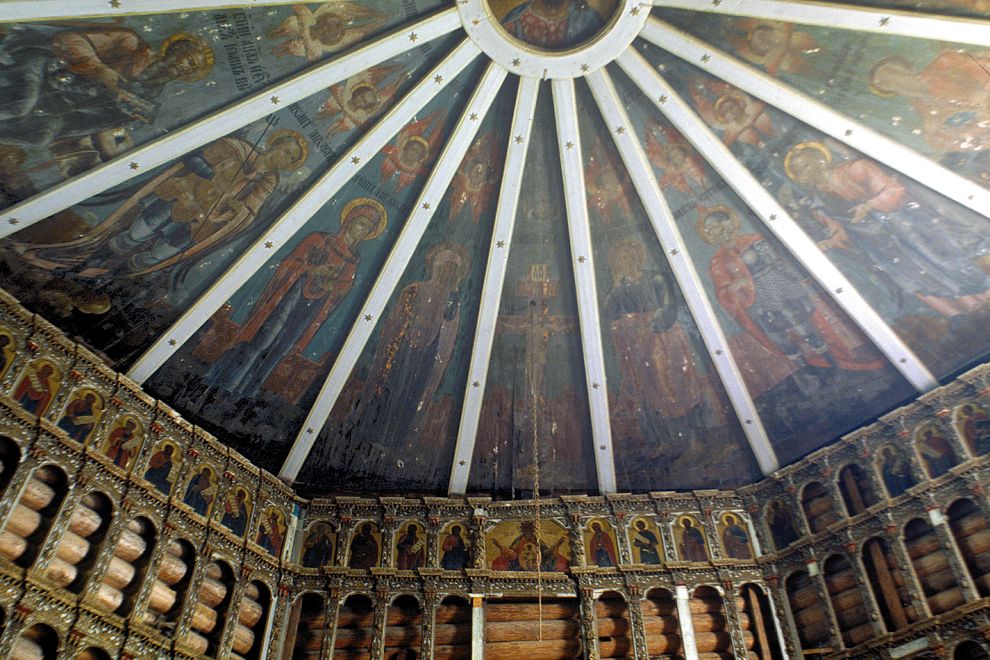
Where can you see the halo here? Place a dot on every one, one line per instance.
(463, 260)
(817, 146)
(705, 213)
(351, 211)
(880, 91)
(300, 140)
(365, 85)
(722, 100)
(204, 50)
(419, 140)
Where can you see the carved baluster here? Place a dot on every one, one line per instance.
(710, 527)
(184, 623)
(625, 551)
(784, 625)
(732, 619)
(821, 589)
(389, 529)
(76, 492)
(330, 623)
(233, 615)
(634, 601)
(344, 533)
(478, 550)
(918, 600)
(589, 623)
(280, 606)
(15, 626)
(576, 540)
(432, 542)
(956, 562)
(381, 618)
(430, 604)
(22, 473)
(121, 516)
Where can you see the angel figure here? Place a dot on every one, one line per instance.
(668, 150)
(609, 187)
(736, 115)
(410, 156)
(773, 45)
(354, 102)
(331, 28)
(475, 181)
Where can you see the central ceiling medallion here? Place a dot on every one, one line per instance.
(553, 38)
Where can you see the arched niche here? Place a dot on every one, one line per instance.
(817, 506)
(452, 629)
(614, 630)
(355, 623)
(33, 515)
(847, 601)
(972, 534)
(128, 566)
(931, 566)
(711, 628)
(888, 585)
(808, 611)
(168, 592)
(309, 613)
(211, 606)
(252, 613)
(10, 456)
(756, 617)
(404, 628)
(856, 491)
(527, 627)
(80, 545)
(38, 642)
(93, 653)
(970, 650)
(663, 630)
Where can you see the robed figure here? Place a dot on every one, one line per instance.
(553, 23)
(735, 540)
(455, 554)
(410, 550)
(647, 542)
(364, 548)
(600, 547)
(692, 542)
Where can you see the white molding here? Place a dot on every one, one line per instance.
(685, 272)
(393, 268)
(183, 140)
(13, 11)
(523, 59)
(491, 293)
(299, 213)
(816, 114)
(583, 264)
(775, 219)
(848, 17)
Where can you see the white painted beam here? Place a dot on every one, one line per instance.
(775, 218)
(302, 209)
(817, 114)
(12, 11)
(491, 292)
(583, 263)
(398, 259)
(685, 272)
(848, 17)
(222, 122)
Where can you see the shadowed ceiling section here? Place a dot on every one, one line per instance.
(368, 252)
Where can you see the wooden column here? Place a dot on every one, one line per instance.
(477, 626)
(48, 547)
(865, 592)
(589, 623)
(332, 612)
(783, 622)
(121, 516)
(728, 591)
(429, 617)
(821, 588)
(636, 622)
(683, 599)
(12, 495)
(956, 562)
(907, 573)
(381, 618)
(277, 623)
(184, 623)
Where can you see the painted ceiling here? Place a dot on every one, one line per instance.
(505, 245)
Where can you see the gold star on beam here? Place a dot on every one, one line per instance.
(134, 165)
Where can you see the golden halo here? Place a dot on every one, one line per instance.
(364, 85)
(880, 91)
(299, 139)
(801, 146)
(203, 48)
(363, 207)
(418, 139)
(705, 213)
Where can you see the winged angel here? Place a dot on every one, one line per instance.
(332, 27)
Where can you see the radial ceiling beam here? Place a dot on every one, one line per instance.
(302, 209)
(685, 272)
(812, 112)
(583, 264)
(848, 17)
(398, 259)
(491, 292)
(775, 218)
(222, 122)
(37, 10)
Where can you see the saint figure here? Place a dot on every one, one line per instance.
(647, 543)
(201, 491)
(160, 468)
(318, 546)
(896, 471)
(123, 443)
(271, 533)
(455, 555)
(410, 550)
(975, 424)
(781, 525)
(936, 451)
(692, 542)
(364, 548)
(553, 23)
(81, 415)
(235, 512)
(735, 540)
(600, 547)
(37, 387)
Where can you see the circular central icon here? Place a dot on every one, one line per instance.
(553, 24)
(553, 38)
